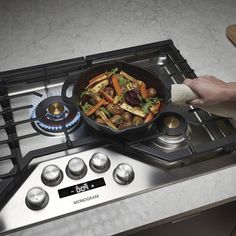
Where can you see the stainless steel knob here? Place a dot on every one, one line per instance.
(76, 168)
(36, 198)
(52, 175)
(99, 162)
(123, 174)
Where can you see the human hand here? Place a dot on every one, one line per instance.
(211, 90)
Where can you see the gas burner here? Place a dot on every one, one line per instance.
(56, 111)
(174, 129)
(54, 115)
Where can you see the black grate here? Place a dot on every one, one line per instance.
(144, 150)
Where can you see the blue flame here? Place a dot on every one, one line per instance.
(57, 127)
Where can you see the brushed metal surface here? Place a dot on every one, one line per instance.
(146, 176)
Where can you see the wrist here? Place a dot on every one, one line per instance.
(231, 91)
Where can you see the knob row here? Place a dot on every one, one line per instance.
(52, 175)
(37, 198)
(76, 169)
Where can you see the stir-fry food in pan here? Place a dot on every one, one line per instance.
(118, 100)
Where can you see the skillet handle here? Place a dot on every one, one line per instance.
(69, 82)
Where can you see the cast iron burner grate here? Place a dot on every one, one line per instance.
(160, 58)
(181, 153)
(174, 129)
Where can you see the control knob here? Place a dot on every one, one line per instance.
(76, 168)
(99, 162)
(52, 175)
(36, 198)
(123, 174)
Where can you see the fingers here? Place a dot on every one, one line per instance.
(195, 85)
(208, 88)
(203, 78)
(196, 102)
(188, 82)
(192, 83)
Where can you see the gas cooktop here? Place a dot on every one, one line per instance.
(53, 164)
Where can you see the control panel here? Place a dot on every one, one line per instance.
(71, 183)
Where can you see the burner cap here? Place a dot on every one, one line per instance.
(172, 124)
(54, 115)
(56, 108)
(174, 128)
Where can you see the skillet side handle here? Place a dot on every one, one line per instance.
(69, 82)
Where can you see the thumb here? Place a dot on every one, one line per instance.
(197, 102)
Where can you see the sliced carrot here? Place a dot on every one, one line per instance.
(143, 90)
(94, 108)
(97, 79)
(116, 85)
(149, 117)
(107, 97)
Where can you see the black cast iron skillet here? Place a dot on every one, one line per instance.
(79, 82)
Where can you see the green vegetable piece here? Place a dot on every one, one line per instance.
(105, 111)
(122, 80)
(86, 107)
(113, 71)
(149, 102)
